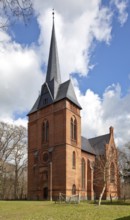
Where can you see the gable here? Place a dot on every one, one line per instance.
(99, 143)
(66, 90)
(44, 99)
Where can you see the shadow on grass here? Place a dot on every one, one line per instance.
(117, 202)
(124, 218)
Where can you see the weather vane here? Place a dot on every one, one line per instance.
(53, 13)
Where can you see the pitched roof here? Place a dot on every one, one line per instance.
(86, 146)
(66, 90)
(35, 106)
(95, 145)
(99, 143)
(45, 98)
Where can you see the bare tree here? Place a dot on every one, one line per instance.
(12, 10)
(7, 135)
(124, 166)
(13, 158)
(105, 174)
(6, 143)
(19, 157)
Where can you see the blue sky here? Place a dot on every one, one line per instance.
(111, 61)
(94, 50)
(25, 34)
(112, 64)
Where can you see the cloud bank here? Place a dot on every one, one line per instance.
(98, 114)
(78, 25)
(20, 77)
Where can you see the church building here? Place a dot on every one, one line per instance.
(60, 160)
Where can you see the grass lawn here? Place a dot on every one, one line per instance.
(40, 210)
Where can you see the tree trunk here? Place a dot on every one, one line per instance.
(101, 195)
(110, 198)
(16, 184)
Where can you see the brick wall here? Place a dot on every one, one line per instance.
(50, 168)
(59, 147)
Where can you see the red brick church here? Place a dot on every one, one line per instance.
(60, 160)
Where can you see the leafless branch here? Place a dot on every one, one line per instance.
(13, 159)
(12, 10)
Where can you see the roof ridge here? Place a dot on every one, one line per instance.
(65, 82)
(49, 90)
(99, 136)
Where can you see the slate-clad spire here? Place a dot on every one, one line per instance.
(53, 90)
(53, 70)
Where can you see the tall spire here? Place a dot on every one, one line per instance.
(53, 69)
(53, 90)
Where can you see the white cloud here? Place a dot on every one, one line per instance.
(69, 9)
(99, 114)
(20, 78)
(77, 25)
(121, 6)
(19, 121)
(4, 37)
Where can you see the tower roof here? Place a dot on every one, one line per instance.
(66, 90)
(53, 69)
(53, 90)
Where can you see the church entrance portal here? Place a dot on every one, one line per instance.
(45, 193)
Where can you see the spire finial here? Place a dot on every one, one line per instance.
(53, 14)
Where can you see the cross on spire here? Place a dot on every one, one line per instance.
(53, 14)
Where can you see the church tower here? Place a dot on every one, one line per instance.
(54, 136)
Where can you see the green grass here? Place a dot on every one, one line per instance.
(28, 210)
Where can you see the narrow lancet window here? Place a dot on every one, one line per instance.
(73, 160)
(45, 131)
(73, 125)
(83, 173)
(112, 173)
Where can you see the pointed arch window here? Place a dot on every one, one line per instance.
(73, 189)
(45, 131)
(73, 160)
(73, 128)
(83, 173)
(112, 173)
(75, 125)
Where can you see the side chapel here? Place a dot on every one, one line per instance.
(60, 160)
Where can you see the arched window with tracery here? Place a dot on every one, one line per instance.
(112, 173)
(45, 131)
(73, 160)
(83, 173)
(73, 125)
(73, 189)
